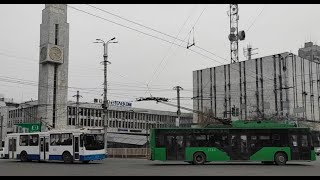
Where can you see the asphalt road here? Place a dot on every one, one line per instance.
(141, 167)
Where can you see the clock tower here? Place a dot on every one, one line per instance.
(53, 66)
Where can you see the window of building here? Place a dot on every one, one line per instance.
(92, 122)
(81, 122)
(73, 121)
(96, 124)
(56, 34)
(69, 121)
(85, 122)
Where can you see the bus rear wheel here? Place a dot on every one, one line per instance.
(199, 158)
(280, 158)
(67, 158)
(24, 156)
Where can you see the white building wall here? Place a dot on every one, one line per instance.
(269, 84)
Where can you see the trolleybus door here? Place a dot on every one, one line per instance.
(175, 147)
(44, 148)
(76, 147)
(12, 148)
(300, 146)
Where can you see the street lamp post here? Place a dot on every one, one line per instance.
(147, 134)
(1, 127)
(105, 101)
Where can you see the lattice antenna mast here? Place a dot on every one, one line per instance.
(235, 35)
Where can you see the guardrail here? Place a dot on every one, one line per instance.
(129, 153)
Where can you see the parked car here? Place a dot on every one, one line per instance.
(317, 150)
(1, 153)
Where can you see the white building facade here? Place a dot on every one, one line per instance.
(280, 85)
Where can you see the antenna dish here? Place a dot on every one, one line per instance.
(242, 35)
(232, 37)
(234, 9)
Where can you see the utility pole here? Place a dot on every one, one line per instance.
(77, 113)
(105, 100)
(178, 88)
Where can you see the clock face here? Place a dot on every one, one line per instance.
(43, 53)
(55, 53)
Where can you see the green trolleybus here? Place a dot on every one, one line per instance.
(242, 141)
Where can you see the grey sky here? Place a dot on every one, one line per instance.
(136, 57)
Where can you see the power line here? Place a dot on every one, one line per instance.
(135, 22)
(167, 54)
(141, 32)
(256, 18)
(176, 38)
(180, 43)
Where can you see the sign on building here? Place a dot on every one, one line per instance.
(30, 127)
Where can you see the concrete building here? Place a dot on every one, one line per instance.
(310, 51)
(26, 112)
(127, 126)
(53, 66)
(277, 86)
(5, 106)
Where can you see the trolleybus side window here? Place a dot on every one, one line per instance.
(294, 140)
(160, 140)
(81, 140)
(66, 139)
(24, 140)
(54, 140)
(201, 140)
(304, 141)
(33, 140)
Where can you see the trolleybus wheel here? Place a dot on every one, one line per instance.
(24, 156)
(199, 158)
(67, 158)
(280, 158)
